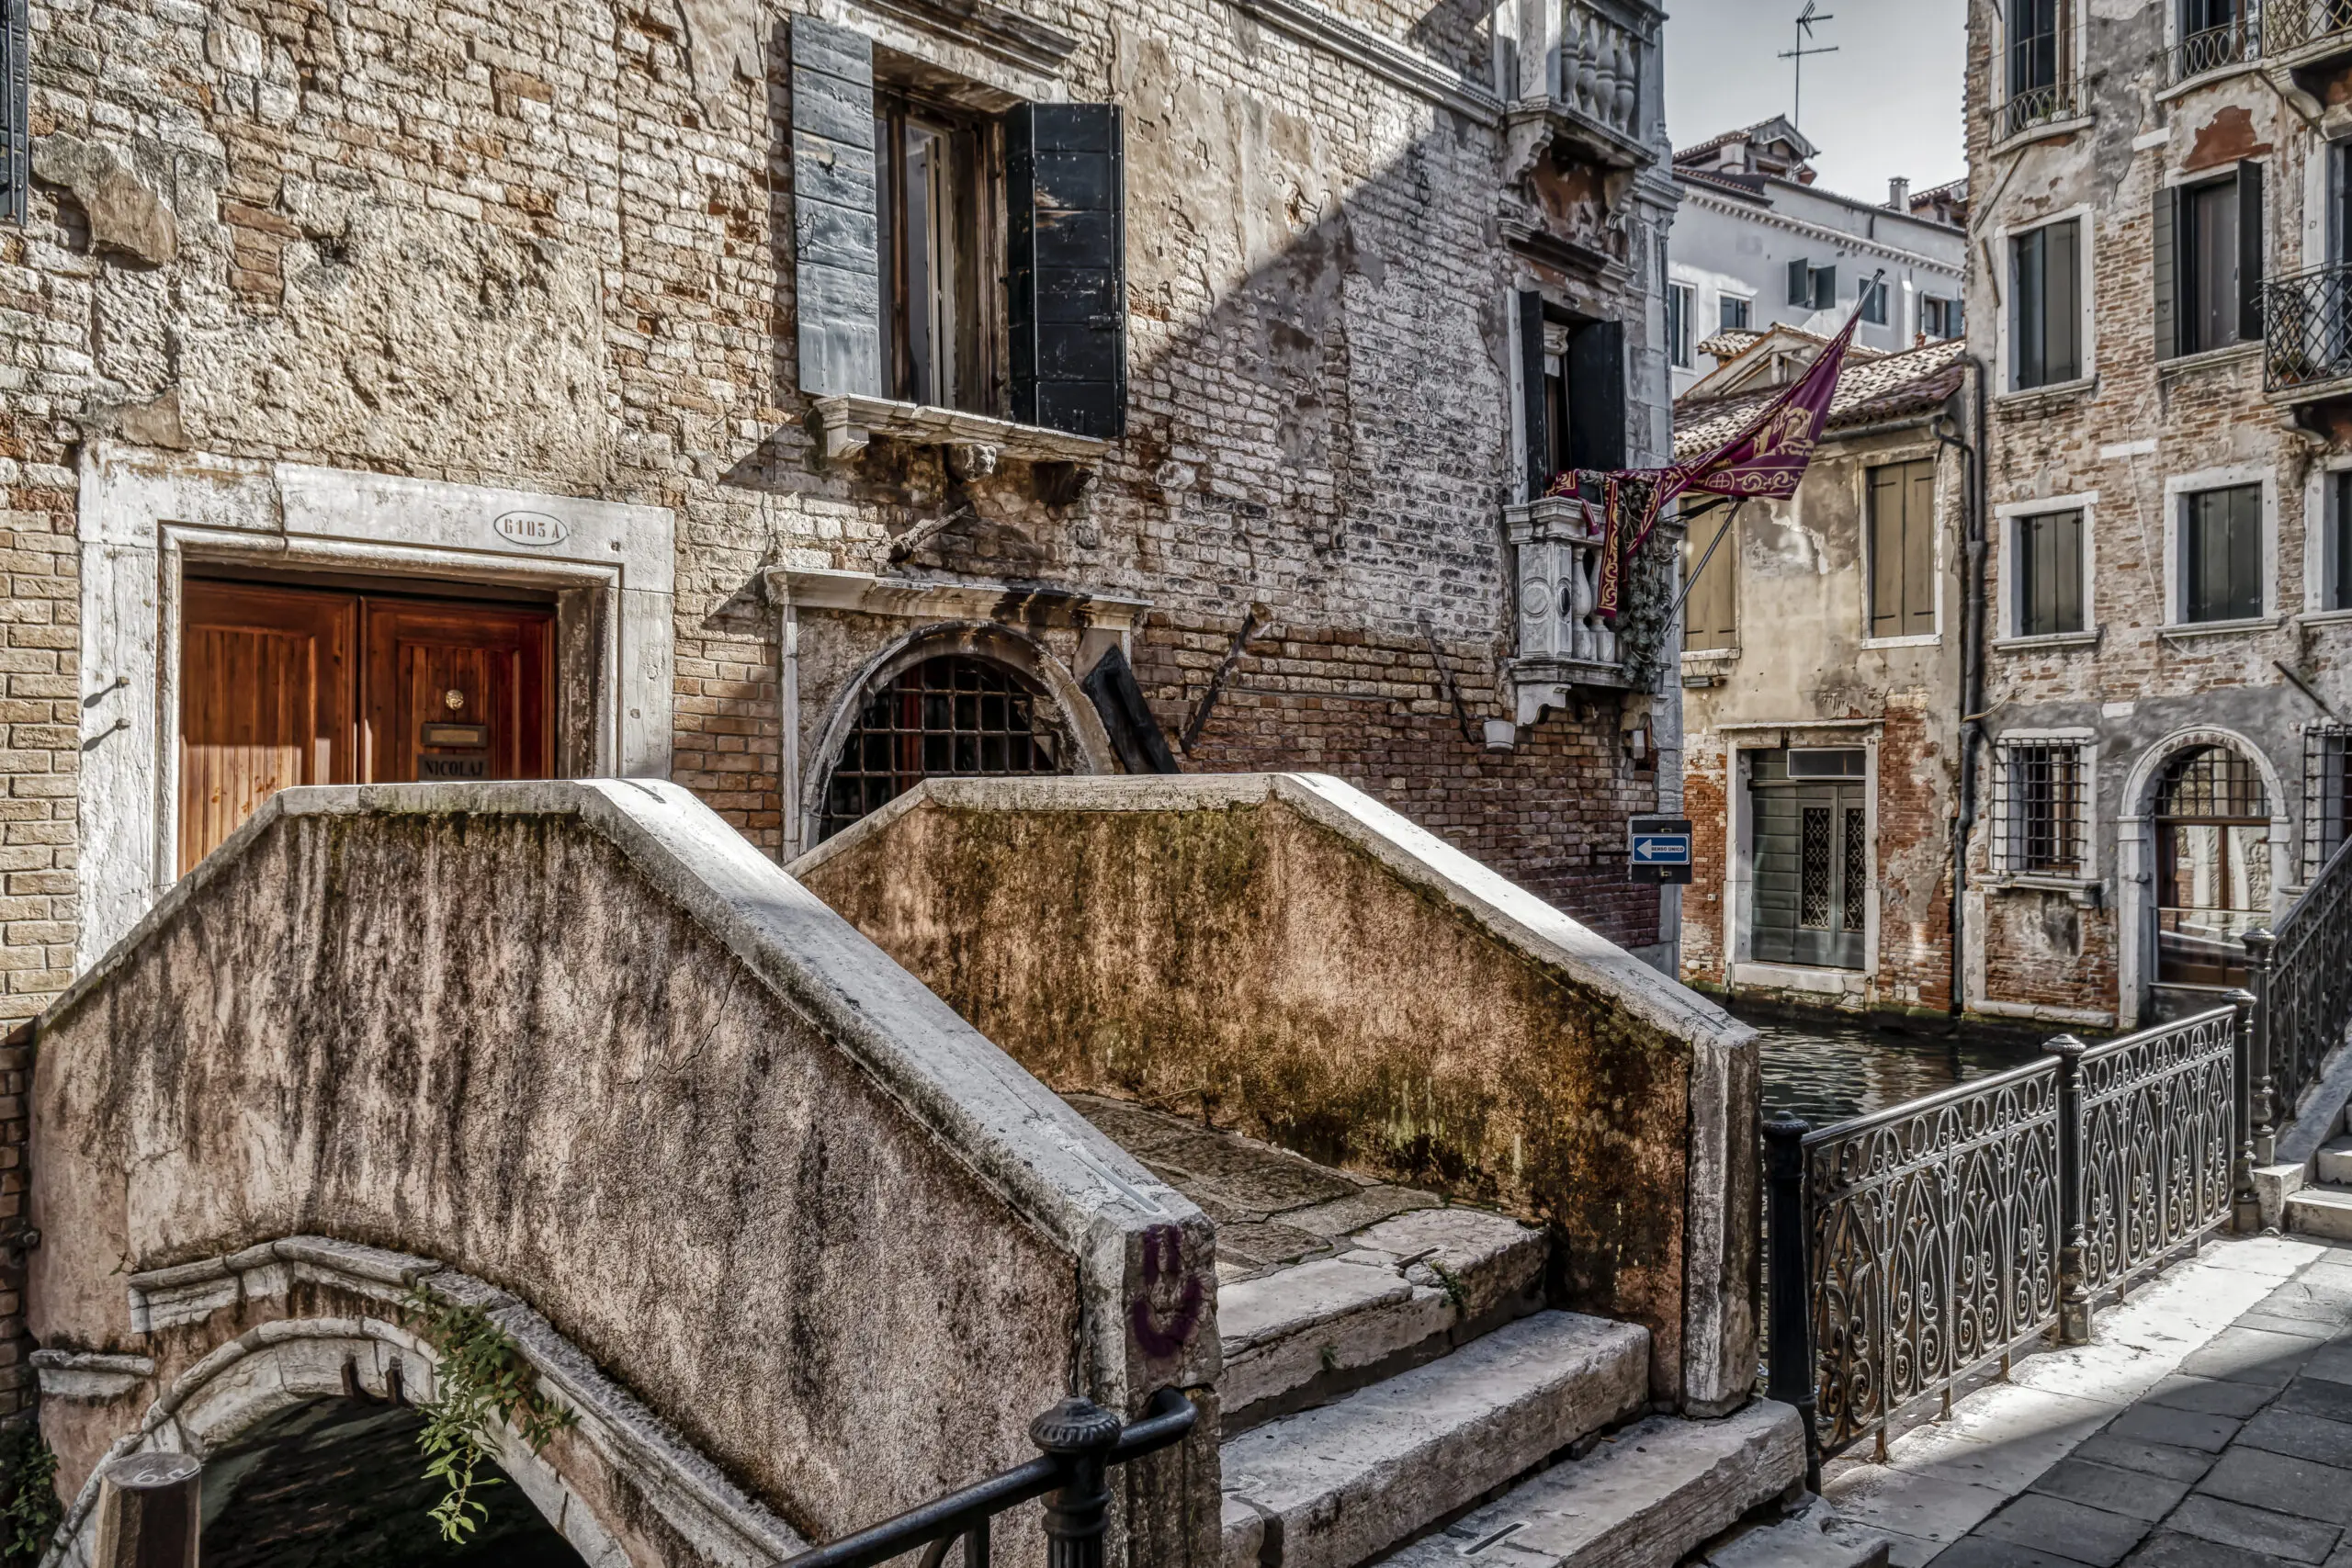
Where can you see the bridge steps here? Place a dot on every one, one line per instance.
(2324, 1207)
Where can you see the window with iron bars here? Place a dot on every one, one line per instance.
(2327, 792)
(946, 718)
(2041, 815)
(16, 139)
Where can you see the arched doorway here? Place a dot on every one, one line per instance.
(950, 716)
(2213, 865)
(342, 1482)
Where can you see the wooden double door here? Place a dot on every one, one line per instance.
(296, 685)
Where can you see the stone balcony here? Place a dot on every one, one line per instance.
(1563, 639)
(1599, 71)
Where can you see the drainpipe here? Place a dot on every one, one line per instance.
(1971, 654)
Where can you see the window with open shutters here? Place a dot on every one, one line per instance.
(950, 257)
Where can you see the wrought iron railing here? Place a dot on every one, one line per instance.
(1913, 1247)
(2301, 974)
(2021, 111)
(2307, 327)
(2214, 48)
(1082, 1443)
(2288, 26)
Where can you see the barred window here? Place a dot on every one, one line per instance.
(2039, 810)
(944, 718)
(2327, 792)
(15, 49)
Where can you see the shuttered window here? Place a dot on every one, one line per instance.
(1903, 549)
(1710, 613)
(1065, 203)
(2221, 554)
(2046, 328)
(923, 276)
(2209, 264)
(2049, 555)
(16, 48)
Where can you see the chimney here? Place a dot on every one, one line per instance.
(1898, 194)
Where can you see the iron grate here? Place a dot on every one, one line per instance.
(947, 718)
(2038, 808)
(2327, 792)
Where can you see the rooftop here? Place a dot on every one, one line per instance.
(1869, 390)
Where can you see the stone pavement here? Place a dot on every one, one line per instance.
(2208, 1426)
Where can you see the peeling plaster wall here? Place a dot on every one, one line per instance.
(2135, 426)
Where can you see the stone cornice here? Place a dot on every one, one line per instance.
(1706, 201)
(1384, 58)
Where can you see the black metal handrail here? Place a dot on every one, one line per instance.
(1911, 1246)
(2021, 111)
(2300, 973)
(2229, 44)
(2307, 327)
(1083, 1442)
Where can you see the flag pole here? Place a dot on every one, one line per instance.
(1693, 581)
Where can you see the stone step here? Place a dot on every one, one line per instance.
(2321, 1212)
(1645, 1497)
(1411, 1288)
(1330, 1487)
(2335, 1161)
(1811, 1535)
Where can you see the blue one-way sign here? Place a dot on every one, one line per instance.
(1657, 849)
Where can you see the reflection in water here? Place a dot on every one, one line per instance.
(1826, 1069)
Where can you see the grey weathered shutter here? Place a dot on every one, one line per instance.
(16, 48)
(1800, 282)
(1534, 411)
(837, 273)
(1067, 307)
(2167, 260)
(1824, 287)
(1596, 396)
(1885, 495)
(2250, 248)
(1118, 701)
(1920, 550)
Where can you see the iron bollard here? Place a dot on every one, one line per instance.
(2246, 1205)
(1081, 1433)
(148, 1511)
(2073, 1274)
(2260, 950)
(1791, 1287)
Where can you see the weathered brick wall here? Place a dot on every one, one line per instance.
(2137, 423)
(40, 716)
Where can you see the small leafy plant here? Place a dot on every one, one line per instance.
(29, 1517)
(485, 1380)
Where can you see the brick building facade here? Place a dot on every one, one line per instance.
(2157, 304)
(1821, 675)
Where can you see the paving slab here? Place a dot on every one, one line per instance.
(2282, 1483)
(1974, 1552)
(2151, 1459)
(1928, 1507)
(2177, 1428)
(2068, 1529)
(2127, 1492)
(2250, 1356)
(2318, 1397)
(2207, 1396)
(2170, 1549)
(2255, 1529)
(2284, 1431)
(2004, 1442)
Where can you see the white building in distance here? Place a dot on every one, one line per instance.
(1757, 245)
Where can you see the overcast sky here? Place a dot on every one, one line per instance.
(1887, 103)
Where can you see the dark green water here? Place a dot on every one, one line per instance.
(1828, 1068)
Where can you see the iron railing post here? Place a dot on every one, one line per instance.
(1080, 1434)
(2260, 950)
(1792, 1374)
(2245, 1206)
(2074, 1277)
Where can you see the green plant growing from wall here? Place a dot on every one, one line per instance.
(484, 1379)
(30, 1513)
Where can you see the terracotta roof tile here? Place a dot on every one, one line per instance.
(1868, 391)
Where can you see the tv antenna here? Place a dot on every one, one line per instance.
(1806, 19)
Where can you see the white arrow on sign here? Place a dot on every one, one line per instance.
(1675, 848)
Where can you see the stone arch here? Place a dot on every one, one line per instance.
(991, 642)
(2135, 855)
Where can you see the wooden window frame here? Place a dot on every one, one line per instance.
(976, 183)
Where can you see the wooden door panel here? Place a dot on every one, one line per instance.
(457, 693)
(266, 700)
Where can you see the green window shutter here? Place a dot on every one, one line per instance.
(2065, 327)
(1800, 282)
(2167, 265)
(1886, 551)
(2250, 251)
(837, 272)
(1824, 287)
(1067, 308)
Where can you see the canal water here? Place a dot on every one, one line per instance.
(1826, 1069)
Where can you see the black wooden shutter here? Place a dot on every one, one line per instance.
(1800, 282)
(2167, 260)
(1118, 701)
(1066, 305)
(1824, 287)
(2250, 250)
(16, 48)
(1596, 396)
(1534, 411)
(837, 275)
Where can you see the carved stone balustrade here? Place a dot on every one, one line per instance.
(1588, 81)
(1563, 640)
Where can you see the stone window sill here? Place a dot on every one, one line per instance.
(2249, 352)
(974, 444)
(2047, 130)
(2046, 642)
(2213, 77)
(2033, 399)
(1924, 640)
(1708, 656)
(2326, 617)
(2083, 890)
(2221, 628)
